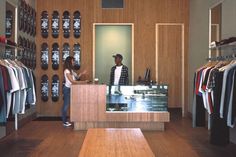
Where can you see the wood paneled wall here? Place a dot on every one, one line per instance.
(143, 14)
(170, 60)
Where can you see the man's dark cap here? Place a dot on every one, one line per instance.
(118, 56)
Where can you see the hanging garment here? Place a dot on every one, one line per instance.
(17, 87)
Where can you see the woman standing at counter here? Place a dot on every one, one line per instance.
(70, 78)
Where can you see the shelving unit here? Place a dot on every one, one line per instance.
(230, 45)
(11, 46)
(137, 98)
(229, 51)
(3, 47)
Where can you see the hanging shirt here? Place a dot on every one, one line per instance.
(5, 87)
(20, 107)
(226, 70)
(1, 100)
(229, 115)
(17, 93)
(117, 75)
(15, 87)
(31, 96)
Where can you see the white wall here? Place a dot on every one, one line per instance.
(228, 18)
(112, 39)
(2, 17)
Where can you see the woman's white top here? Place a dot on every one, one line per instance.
(67, 81)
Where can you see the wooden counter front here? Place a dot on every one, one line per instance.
(88, 110)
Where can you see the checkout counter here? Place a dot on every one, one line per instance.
(101, 106)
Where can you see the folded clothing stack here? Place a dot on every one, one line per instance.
(223, 42)
(9, 42)
(4, 40)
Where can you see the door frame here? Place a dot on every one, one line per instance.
(132, 44)
(182, 60)
(210, 24)
(217, 38)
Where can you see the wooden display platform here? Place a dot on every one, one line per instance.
(88, 110)
(115, 143)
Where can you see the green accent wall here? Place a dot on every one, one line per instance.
(109, 40)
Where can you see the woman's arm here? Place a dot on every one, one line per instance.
(69, 76)
(82, 73)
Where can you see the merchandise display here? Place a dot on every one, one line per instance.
(34, 55)
(77, 54)
(21, 15)
(55, 24)
(25, 20)
(223, 42)
(44, 88)
(24, 44)
(34, 21)
(66, 24)
(17, 88)
(28, 55)
(77, 24)
(55, 88)
(44, 56)
(160, 75)
(65, 51)
(9, 23)
(31, 21)
(214, 86)
(44, 24)
(55, 56)
(27, 50)
(137, 98)
(29, 17)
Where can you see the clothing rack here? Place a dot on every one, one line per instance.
(232, 48)
(220, 122)
(13, 56)
(222, 58)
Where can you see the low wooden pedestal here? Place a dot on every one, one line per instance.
(88, 110)
(115, 143)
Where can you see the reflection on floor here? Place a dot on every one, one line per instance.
(50, 139)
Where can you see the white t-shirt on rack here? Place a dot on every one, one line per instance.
(117, 75)
(67, 81)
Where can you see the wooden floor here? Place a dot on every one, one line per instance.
(50, 139)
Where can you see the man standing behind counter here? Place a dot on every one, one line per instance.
(119, 73)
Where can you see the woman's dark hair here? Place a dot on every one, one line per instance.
(68, 63)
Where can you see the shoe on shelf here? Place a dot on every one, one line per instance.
(67, 124)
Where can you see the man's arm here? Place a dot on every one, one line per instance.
(127, 76)
(112, 76)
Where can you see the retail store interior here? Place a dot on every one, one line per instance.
(117, 78)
